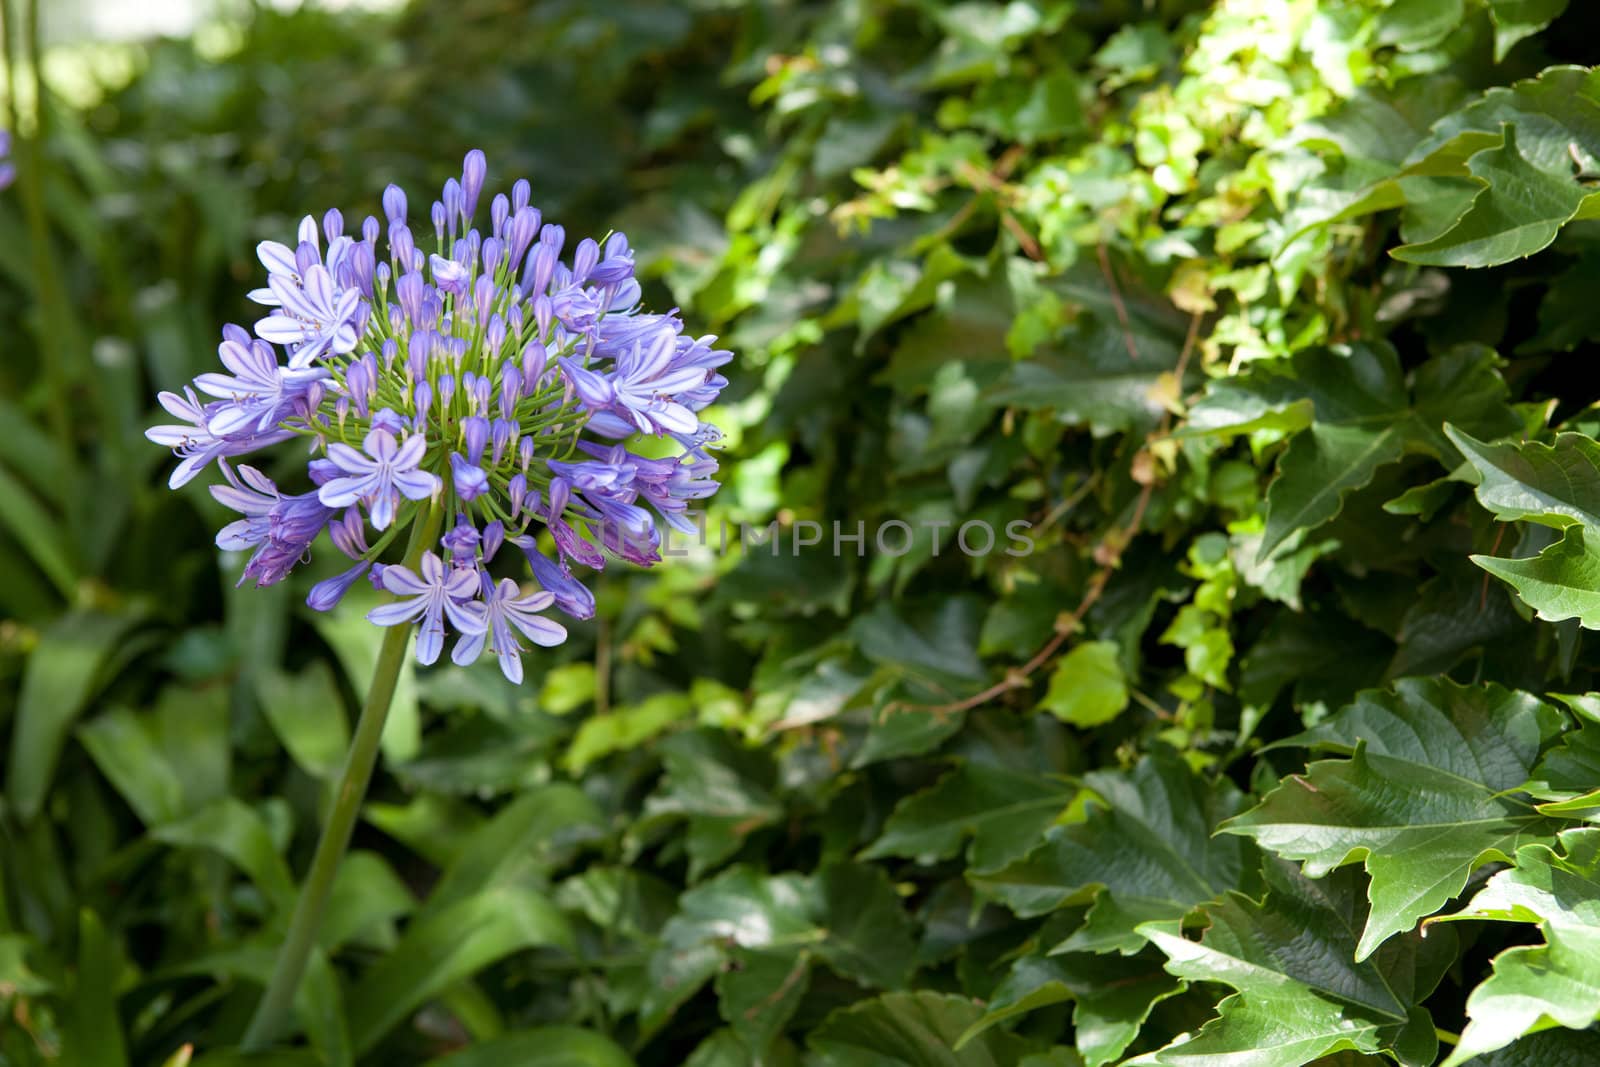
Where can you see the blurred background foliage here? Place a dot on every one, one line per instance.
(977, 261)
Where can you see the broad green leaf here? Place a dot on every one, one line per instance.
(1562, 582)
(1423, 800)
(517, 841)
(366, 894)
(1535, 987)
(1002, 811)
(739, 908)
(1087, 688)
(447, 946)
(721, 790)
(1519, 211)
(1300, 994)
(308, 715)
(1554, 485)
(911, 1030)
(1144, 852)
(63, 673)
(237, 832)
(355, 641)
(772, 928)
(546, 1046)
(94, 1030)
(169, 760)
(1091, 379)
(1517, 19)
(1112, 997)
(1361, 415)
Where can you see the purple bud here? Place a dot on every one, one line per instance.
(326, 594)
(473, 170)
(333, 225)
(391, 350)
(525, 452)
(499, 211)
(306, 256)
(470, 481)
(370, 230)
(438, 220)
(394, 204)
(504, 430)
(521, 193)
(452, 204)
(423, 397)
(388, 419)
(375, 576)
(410, 290)
(544, 313)
(571, 595)
(519, 236)
(510, 390)
(380, 278)
(494, 536)
(493, 249)
(584, 260)
(462, 541)
(364, 265)
(323, 471)
(402, 247)
(474, 435)
(494, 336)
(447, 389)
(349, 533)
(483, 296)
(516, 489)
(534, 357)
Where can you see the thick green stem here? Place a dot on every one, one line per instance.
(272, 1017)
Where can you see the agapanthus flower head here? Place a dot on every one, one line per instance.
(480, 383)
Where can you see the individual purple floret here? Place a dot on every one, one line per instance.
(480, 376)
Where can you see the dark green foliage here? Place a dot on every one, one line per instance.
(1267, 324)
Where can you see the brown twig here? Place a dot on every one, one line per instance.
(1116, 300)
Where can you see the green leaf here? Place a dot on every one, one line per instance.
(1535, 987)
(451, 944)
(546, 1046)
(1562, 582)
(1144, 852)
(722, 792)
(1553, 485)
(308, 715)
(1423, 800)
(1112, 998)
(237, 832)
(1519, 211)
(1516, 19)
(911, 1030)
(1002, 810)
(94, 1034)
(1300, 993)
(1319, 469)
(63, 673)
(1086, 687)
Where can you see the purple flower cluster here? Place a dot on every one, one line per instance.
(490, 379)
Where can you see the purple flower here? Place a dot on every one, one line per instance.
(258, 391)
(280, 528)
(438, 593)
(314, 319)
(8, 170)
(493, 380)
(379, 478)
(506, 607)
